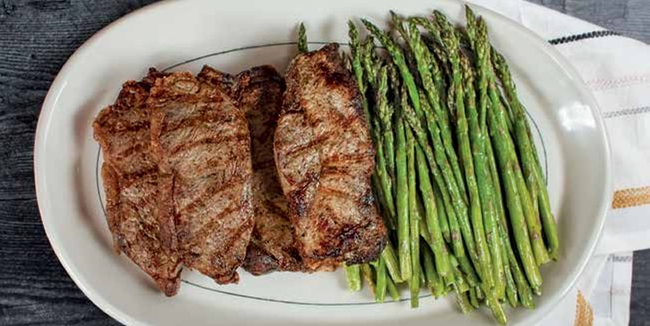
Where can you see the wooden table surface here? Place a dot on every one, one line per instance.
(36, 38)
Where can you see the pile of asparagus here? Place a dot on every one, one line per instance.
(457, 175)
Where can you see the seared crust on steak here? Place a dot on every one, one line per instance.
(324, 156)
(258, 93)
(202, 146)
(130, 176)
(219, 79)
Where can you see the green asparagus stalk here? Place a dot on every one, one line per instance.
(357, 68)
(392, 289)
(523, 288)
(302, 39)
(435, 282)
(392, 264)
(524, 291)
(353, 276)
(378, 193)
(404, 246)
(497, 310)
(368, 57)
(414, 222)
(479, 293)
(381, 171)
(386, 118)
(367, 273)
(436, 71)
(473, 297)
(430, 26)
(380, 290)
(481, 63)
(494, 173)
(431, 213)
(530, 163)
(423, 278)
(448, 279)
(461, 285)
(464, 302)
(511, 287)
(442, 213)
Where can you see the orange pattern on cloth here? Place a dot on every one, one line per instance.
(631, 197)
(584, 312)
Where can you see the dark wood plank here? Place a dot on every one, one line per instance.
(36, 38)
(629, 17)
(640, 305)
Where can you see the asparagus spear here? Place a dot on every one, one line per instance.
(523, 288)
(426, 236)
(494, 173)
(442, 214)
(368, 60)
(353, 276)
(461, 283)
(524, 292)
(431, 211)
(392, 289)
(531, 164)
(392, 263)
(436, 72)
(302, 39)
(473, 298)
(382, 171)
(434, 281)
(380, 290)
(357, 68)
(511, 287)
(386, 118)
(423, 278)
(464, 302)
(404, 246)
(414, 222)
(367, 273)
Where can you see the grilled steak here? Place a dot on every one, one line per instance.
(258, 92)
(325, 158)
(130, 177)
(202, 146)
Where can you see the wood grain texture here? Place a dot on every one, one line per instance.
(629, 17)
(36, 38)
(640, 304)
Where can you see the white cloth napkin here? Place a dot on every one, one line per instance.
(617, 71)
